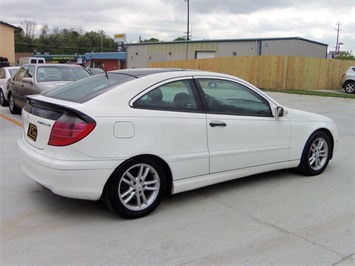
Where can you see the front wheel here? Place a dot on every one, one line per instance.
(316, 154)
(12, 105)
(3, 101)
(136, 188)
(349, 87)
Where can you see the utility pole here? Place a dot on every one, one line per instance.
(337, 45)
(101, 32)
(188, 20)
(188, 29)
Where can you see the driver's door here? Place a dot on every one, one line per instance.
(241, 129)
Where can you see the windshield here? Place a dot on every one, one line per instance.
(86, 89)
(60, 73)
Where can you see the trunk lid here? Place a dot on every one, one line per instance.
(47, 123)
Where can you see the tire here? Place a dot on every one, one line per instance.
(3, 101)
(349, 87)
(12, 105)
(316, 154)
(136, 188)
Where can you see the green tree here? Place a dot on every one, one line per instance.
(63, 41)
(180, 39)
(23, 43)
(151, 40)
(345, 55)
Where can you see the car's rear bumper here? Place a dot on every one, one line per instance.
(71, 178)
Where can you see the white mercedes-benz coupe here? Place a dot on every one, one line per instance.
(132, 136)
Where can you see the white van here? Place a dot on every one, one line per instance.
(30, 60)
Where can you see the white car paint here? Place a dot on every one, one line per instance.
(196, 153)
(4, 77)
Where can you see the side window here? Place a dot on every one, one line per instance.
(173, 96)
(20, 74)
(30, 72)
(227, 97)
(2, 74)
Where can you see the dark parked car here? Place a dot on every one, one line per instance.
(38, 79)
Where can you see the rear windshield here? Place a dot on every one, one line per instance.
(60, 73)
(86, 89)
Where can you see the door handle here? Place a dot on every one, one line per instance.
(218, 124)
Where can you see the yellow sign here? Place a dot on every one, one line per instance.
(120, 37)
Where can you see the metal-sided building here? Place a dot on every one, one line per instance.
(141, 54)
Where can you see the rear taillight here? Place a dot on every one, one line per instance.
(343, 75)
(69, 129)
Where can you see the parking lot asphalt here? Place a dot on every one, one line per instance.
(279, 218)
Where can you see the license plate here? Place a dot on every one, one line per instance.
(32, 132)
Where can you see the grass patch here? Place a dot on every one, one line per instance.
(316, 93)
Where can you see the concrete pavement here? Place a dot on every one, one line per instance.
(280, 218)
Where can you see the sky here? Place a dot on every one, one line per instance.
(166, 20)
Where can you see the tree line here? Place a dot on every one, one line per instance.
(65, 41)
(76, 41)
(61, 41)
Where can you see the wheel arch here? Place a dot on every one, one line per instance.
(348, 81)
(163, 163)
(329, 135)
(331, 138)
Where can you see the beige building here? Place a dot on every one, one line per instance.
(7, 41)
(141, 54)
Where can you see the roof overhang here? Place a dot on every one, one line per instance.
(16, 29)
(109, 55)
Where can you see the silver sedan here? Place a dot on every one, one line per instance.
(38, 79)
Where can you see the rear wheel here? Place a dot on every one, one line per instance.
(3, 101)
(349, 87)
(12, 105)
(316, 154)
(136, 188)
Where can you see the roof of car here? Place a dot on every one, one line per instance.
(11, 67)
(51, 64)
(141, 72)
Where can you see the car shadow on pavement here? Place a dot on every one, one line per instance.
(51, 203)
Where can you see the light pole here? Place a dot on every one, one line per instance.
(188, 27)
(188, 20)
(101, 31)
(337, 46)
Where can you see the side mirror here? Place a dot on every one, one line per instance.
(27, 80)
(280, 112)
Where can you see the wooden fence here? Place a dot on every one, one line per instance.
(273, 72)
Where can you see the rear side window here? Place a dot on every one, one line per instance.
(174, 96)
(86, 89)
(19, 76)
